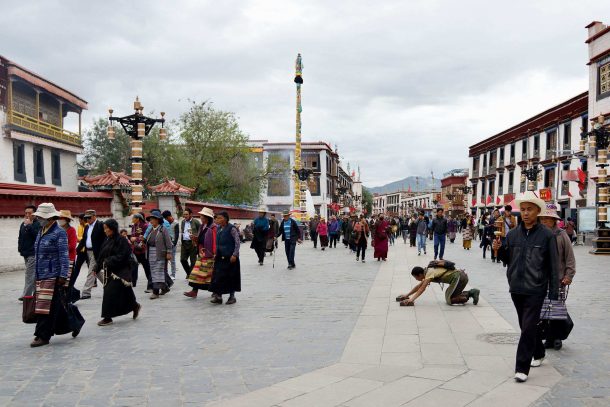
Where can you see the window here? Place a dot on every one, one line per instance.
(311, 160)
(38, 165)
(511, 179)
(536, 144)
(19, 162)
(502, 154)
(549, 177)
(524, 150)
(551, 140)
(500, 184)
(314, 186)
(567, 136)
(512, 151)
(604, 78)
(56, 167)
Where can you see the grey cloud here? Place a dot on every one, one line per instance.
(395, 84)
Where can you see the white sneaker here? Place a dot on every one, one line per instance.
(536, 362)
(520, 377)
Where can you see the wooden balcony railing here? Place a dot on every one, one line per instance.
(44, 129)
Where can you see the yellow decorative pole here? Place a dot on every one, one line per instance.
(298, 184)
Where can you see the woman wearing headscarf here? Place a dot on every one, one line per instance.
(226, 278)
(52, 263)
(159, 245)
(64, 222)
(382, 228)
(114, 256)
(201, 275)
(323, 233)
(468, 233)
(566, 271)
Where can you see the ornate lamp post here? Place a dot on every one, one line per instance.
(599, 138)
(136, 126)
(300, 186)
(532, 174)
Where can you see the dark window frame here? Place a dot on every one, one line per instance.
(56, 167)
(39, 177)
(600, 64)
(19, 171)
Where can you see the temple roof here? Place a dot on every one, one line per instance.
(108, 179)
(171, 187)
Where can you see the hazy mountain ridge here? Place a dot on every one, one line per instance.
(416, 184)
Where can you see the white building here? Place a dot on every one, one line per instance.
(316, 156)
(550, 138)
(35, 147)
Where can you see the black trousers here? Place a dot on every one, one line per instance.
(334, 238)
(361, 248)
(259, 248)
(314, 239)
(45, 324)
(290, 248)
(146, 265)
(530, 343)
(188, 252)
(81, 258)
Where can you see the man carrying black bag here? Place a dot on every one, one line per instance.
(530, 252)
(557, 325)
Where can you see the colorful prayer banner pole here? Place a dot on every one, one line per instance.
(299, 193)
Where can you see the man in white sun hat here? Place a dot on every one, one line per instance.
(530, 251)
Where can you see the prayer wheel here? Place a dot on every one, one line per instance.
(141, 130)
(602, 156)
(162, 134)
(601, 176)
(602, 214)
(592, 142)
(136, 149)
(603, 195)
(136, 194)
(583, 144)
(110, 132)
(136, 171)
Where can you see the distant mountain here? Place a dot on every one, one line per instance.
(416, 183)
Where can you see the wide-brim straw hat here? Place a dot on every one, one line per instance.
(66, 214)
(47, 210)
(550, 211)
(207, 212)
(530, 196)
(286, 213)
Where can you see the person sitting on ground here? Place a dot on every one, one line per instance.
(442, 272)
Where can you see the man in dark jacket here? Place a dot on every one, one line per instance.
(93, 238)
(25, 244)
(291, 235)
(313, 230)
(530, 251)
(439, 229)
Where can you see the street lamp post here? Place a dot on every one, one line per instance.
(531, 174)
(137, 126)
(599, 138)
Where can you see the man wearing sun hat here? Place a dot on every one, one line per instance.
(530, 251)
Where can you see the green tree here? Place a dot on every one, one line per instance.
(367, 200)
(100, 153)
(220, 163)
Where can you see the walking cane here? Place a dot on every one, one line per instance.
(274, 247)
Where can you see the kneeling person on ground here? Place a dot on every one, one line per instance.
(442, 272)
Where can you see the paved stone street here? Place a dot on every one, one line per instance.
(327, 333)
(584, 360)
(187, 351)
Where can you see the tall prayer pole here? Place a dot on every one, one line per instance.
(299, 185)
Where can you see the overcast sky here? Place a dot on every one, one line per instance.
(402, 87)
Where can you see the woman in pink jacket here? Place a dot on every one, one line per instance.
(323, 233)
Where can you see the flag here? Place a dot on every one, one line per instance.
(498, 201)
(569, 193)
(582, 176)
(570, 175)
(474, 201)
(488, 200)
(409, 190)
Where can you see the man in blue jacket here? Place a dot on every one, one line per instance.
(27, 237)
(291, 235)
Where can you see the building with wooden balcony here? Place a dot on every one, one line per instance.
(35, 146)
(551, 139)
(453, 199)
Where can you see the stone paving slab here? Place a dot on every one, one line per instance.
(189, 352)
(441, 359)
